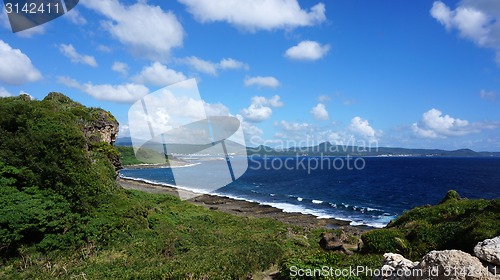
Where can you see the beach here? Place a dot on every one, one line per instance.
(243, 208)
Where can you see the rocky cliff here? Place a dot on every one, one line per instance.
(99, 126)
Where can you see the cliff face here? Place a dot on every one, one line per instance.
(104, 128)
(98, 126)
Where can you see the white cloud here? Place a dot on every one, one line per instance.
(158, 74)
(126, 93)
(216, 109)
(229, 63)
(260, 108)
(275, 101)
(104, 49)
(294, 126)
(75, 17)
(319, 112)
(147, 30)
(257, 113)
(6, 93)
(70, 52)
(303, 134)
(257, 14)
(16, 67)
(260, 81)
(478, 21)
(201, 65)
(434, 124)
(362, 127)
(211, 68)
(299, 134)
(120, 67)
(252, 133)
(488, 95)
(307, 50)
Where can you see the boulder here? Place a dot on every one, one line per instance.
(489, 250)
(330, 242)
(451, 264)
(396, 267)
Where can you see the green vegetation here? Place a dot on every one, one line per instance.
(62, 216)
(455, 223)
(51, 174)
(147, 156)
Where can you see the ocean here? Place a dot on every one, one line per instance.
(366, 191)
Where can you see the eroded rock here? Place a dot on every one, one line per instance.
(489, 250)
(451, 264)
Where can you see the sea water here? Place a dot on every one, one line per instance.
(372, 192)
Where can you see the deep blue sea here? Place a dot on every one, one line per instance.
(372, 193)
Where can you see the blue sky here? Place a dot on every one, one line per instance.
(417, 74)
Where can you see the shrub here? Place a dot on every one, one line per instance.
(384, 240)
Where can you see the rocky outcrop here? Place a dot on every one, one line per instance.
(103, 127)
(396, 267)
(451, 264)
(330, 242)
(96, 124)
(447, 264)
(489, 250)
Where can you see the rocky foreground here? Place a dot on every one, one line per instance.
(447, 264)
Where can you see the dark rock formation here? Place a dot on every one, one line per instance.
(330, 242)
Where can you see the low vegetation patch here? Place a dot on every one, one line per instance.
(455, 223)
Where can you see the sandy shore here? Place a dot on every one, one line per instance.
(243, 208)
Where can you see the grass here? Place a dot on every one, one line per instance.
(144, 236)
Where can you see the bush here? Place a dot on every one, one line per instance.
(384, 240)
(50, 172)
(455, 223)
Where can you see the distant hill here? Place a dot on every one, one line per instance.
(328, 149)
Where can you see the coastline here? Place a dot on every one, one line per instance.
(243, 208)
(170, 164)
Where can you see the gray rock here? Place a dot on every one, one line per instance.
(451, 264)
(489, 250)
(396, 267)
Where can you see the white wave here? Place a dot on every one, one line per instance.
(183, 166)
(369, 224)
(292, 208)
(185, 188)
(317, 201)
(299, 198)
(145, 181)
